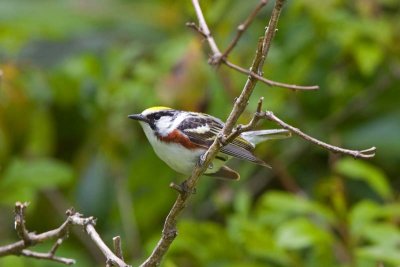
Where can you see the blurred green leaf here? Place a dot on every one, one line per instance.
(361, 170)
(372, 221)
(14, 261)
(379, 253)
(23, 178)
(205, 233)
(255, 239)
(368, 56)
(301, 233)
(384, 234)
(289, 205)
(380, 132)
(242, 203)
(363, 213)
(41, 139)
(96, 184)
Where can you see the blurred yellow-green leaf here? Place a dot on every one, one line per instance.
(361, 170)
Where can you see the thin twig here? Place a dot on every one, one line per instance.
(270, 34)
(366, 153)
(46, 256)
(215, 59)
(196, 28)
(118, 247)
(187, 188)
(20, 222)
(267, 81)
(243, 27)
(56, 245)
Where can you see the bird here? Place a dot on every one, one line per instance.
(180, 138)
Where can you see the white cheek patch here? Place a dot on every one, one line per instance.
(167, 124)
(164, 125)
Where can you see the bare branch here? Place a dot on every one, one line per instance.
(367, 153)
(30, 239)
(243, 27)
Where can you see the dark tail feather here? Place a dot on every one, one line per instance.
(225, 173)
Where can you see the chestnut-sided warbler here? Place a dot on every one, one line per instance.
(179, 138)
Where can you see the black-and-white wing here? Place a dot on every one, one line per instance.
(202, 131)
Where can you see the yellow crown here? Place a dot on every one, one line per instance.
(157, 108)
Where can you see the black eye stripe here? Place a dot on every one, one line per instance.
(158, 115)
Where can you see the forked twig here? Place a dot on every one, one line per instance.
(217, 57)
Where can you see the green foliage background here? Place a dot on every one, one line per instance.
(74, 70)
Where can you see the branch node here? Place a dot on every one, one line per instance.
(70, 211)
(182, 188)
(170, 234)
(259, 105)
(109, 262)
(118, 247)
(215, 59)
(196, 28)
(20, 222)
(221, 139)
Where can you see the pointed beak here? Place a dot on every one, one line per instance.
(138, 117)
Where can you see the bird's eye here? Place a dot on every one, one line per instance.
(157, 116)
